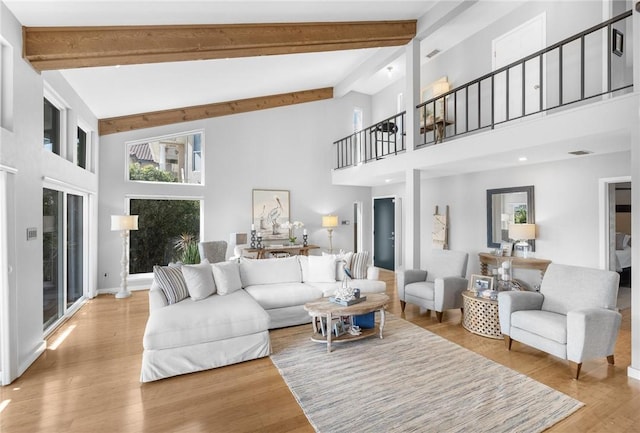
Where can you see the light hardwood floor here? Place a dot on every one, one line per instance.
(89, 383)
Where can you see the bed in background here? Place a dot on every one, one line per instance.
(623, 258)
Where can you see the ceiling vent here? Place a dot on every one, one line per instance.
(433, 53)
(580, 152)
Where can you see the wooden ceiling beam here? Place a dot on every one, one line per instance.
(166, 117)
(49, 48)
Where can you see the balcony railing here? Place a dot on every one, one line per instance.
(588, 65)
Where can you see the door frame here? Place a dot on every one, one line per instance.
(397, 228)
(604, 221)
(8, 343)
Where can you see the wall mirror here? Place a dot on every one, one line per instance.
(508, 205)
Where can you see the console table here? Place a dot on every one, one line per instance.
(487, 259)
(291, 249)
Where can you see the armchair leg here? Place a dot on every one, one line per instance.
(439, 316)
(578, 367)
(507, 341)
(402, 305)
(610, 359)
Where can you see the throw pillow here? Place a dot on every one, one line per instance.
(322, 269)
(171, 281)
(227, 277)
(359, 265)
(199, 279)
(343, 260)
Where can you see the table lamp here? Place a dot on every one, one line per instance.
(330, 222)
(521, 233)
(123, 224)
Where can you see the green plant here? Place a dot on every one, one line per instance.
(520, 216)
(187, 248)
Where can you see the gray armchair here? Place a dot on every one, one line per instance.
(573, 316)
(214, 251)
(438, 288)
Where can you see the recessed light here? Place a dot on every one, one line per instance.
(522, 158)
(388, 180)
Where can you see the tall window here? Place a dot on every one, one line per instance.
(63, 253)
(161, 225)
(82, 148)
(167, 159)
(51, 127)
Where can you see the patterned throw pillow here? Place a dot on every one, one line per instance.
(359, 265)
(172, 283)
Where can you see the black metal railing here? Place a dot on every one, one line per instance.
(568, 72)
(386, 137)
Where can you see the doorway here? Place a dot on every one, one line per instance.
(384, 233)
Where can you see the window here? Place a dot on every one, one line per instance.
(82, 148)
(176, 159)
(51, 127)
(161, 223)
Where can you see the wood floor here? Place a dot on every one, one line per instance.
(89, 383)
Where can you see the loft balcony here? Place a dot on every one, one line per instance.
(573, 95)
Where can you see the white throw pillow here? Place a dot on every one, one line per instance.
(199, 279)
(227, 277)
(322, 269)
(343, 260)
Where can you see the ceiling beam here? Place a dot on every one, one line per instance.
(77, 47)
(186, 114)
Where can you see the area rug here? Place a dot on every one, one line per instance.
(411, 381)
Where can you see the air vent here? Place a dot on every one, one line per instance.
(433, 53)
(580, 152)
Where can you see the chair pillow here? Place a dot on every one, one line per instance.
(359, 264)
(172, 283)
(227, 277)
(199, 279)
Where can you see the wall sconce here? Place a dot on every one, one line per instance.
(330, 222)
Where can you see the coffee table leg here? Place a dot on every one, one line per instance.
(329, 332)
(314, 321)
(381, 321)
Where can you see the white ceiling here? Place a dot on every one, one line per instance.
(118, 91)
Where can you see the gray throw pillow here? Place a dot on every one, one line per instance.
(171, 281)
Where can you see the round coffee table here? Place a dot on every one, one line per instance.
(323, 308)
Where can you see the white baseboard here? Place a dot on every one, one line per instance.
(35, 353)
(633, 373)
(114, 290)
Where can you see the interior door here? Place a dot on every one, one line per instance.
(383, 233)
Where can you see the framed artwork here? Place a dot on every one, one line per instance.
(478, 283)
(617, 44)
(270, 211)
(431, 91)
(506, 248)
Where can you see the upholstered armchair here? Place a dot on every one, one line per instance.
(440, 286)
(214, 251)
(573, 316)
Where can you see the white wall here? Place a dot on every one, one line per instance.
(566, 206)
(286, 148)
(21, 148)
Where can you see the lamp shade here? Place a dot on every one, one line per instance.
(124, 222)
(522, 231)
(330, 221)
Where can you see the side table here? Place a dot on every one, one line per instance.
(480, 316)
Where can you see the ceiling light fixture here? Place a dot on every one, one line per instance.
(389, 70)
(522, 158)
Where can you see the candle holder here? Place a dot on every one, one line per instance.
(253, 238)
(259, 244)
(305, 240)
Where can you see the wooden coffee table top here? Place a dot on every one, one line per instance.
(323, 306)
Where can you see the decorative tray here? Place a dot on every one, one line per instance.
(347, 303)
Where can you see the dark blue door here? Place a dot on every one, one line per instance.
(383, 233)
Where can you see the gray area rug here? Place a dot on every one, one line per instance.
(411, 381)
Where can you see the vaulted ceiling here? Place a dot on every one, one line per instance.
(202, 54)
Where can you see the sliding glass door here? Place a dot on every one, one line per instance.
(63, 253)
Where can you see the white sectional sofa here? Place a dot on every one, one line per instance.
(232, 324)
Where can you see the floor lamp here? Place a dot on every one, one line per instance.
(124, 223)
(330, 222)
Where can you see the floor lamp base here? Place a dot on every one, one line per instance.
(121, 295)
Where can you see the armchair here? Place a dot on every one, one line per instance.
(439, 287)
(214, 251)
(573, 316)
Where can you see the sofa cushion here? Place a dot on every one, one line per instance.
(199, 280)
(359, 264)
(552, 326)
(215, 318)
(421, 289)
(281, 295)
(227, 277)
(269, 271)
(172, 283)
